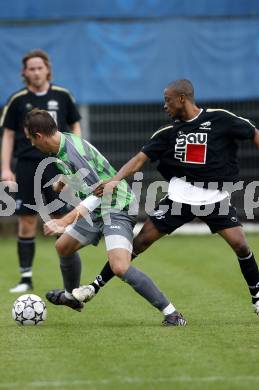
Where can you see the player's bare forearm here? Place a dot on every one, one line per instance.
(76, 129)
(78, 212)
(7, 148)
(58, 226)
(132, 166)
(256, 138)
(6, 155)
(128, 169)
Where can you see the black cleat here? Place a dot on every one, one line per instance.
(57, 297)
(174, 319)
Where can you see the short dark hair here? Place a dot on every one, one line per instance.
(183, 86)
(40, 121)
(33, 54)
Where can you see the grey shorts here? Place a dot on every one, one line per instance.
(117, 229)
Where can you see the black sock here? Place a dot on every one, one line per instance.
(105, 275)
(26, 251)
(26, 280)
(95, 286)
(250, 272)
(71, 271)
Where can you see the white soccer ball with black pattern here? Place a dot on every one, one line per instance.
(29, 309)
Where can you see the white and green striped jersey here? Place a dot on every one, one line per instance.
(85, 167)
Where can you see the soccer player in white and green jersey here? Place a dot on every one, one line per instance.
(92, 218)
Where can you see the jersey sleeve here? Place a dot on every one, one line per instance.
(156, 145)
(86, 170)
(72, 111)
(241, 128)
(81, 172)
(85, 179)
(9, 116)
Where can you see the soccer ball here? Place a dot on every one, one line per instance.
(29, 309)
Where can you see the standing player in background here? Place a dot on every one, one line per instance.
(39, 92)
(199, 147)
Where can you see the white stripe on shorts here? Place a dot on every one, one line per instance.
(77, 236)
(114, 241)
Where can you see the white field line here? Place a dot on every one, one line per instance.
(127, 380)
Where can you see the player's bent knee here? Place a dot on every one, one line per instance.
(119, 251)
(118, 268)
(63, 249)
(241, 249)
(27, 227)
(27, 231)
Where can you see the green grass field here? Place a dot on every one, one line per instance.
(117, 341)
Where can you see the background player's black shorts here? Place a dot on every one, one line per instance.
(169, 216)
(25, 171)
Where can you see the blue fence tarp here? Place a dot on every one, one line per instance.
(133, 61)
(65, 9)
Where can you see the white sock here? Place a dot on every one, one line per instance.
(168, 309)
(27, 274)
(68, 295)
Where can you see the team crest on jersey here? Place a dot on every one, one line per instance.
(28, 106)
(52, 105)
(191, 148)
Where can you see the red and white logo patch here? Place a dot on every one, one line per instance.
(191, 148)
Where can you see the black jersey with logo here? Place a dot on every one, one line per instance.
(202, 150)
(57, 101)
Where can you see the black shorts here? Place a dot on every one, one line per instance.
(25, 171)
(169, 216)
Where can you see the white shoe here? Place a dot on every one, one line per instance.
(20, 288)
(84, 293)
(255, 305)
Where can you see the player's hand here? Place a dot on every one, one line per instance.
(58, 185)
(99, 190)
(109, 187)
(54, 226)
(8, 176)
(106, 187)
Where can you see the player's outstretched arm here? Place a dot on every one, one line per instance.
(128, 169)
(132, 166)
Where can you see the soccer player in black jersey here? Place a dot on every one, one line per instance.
(197, 154)
(39, 92)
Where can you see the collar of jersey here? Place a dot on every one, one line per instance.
(197, 116)
(61, 145)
